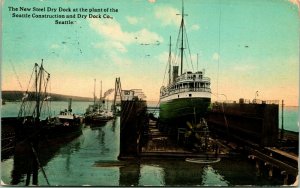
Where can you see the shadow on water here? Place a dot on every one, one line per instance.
(25, 160)
(175, 172)
(129, 175)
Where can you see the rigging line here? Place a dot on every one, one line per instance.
(30, 79)
(165, 74)
(156, 106)
(188, 45)
(45, 91)
(186, 60)
(43, 96)
(14, 70)
(49, 102)
(176, 48)
(219, 55)
(39, 164)
(5, 146)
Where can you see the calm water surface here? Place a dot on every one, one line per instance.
(11, 109)
(79, 162)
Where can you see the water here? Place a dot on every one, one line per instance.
(290, 118)
(11, 109)
(75, 163)
(78, 162)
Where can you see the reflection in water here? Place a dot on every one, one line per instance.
(73, 164)
(179, 172)
(25, 160)
(152, 175)
(101, 139)
(129, 175)
(169, 173)
(67, 152)
(212, 178)
(113, 127)
(20, 167)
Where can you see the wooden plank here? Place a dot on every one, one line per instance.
(281, 165)
(288, 155)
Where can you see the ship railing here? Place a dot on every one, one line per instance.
(183, 78)
(258, 101)
(225, 101)
(248, 101)
(181, 90)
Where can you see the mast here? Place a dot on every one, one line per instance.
(282, 128)
(100, 97)
(70, 105)
(170, 57)
(197, 62)
(94, 91)
(100, 90)
(38, 91)
(182, 48)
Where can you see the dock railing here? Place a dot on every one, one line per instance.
(248, 101)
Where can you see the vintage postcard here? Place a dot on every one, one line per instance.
(150, 92)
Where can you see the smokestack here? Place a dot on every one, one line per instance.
(175, 72)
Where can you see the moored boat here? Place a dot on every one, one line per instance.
(203, 161)
(32, 132)
(34, 104)
(67, 117)
(97, 113)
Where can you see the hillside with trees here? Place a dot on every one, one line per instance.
(18, 95)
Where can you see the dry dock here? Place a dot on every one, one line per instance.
(237, 129)
(161, 145)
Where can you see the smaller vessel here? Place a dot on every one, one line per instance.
(35, 129)
(67, 118)
(97, 113)
(203, 161)
(34, 114)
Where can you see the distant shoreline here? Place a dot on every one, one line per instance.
(16, 96)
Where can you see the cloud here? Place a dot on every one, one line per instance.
(111, 30)
(116, 40)
(132, 20)
(167, 15)
(108, 46)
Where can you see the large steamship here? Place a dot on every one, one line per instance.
(187, 94)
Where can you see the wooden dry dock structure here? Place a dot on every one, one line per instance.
(254, 126)
(249, 129)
